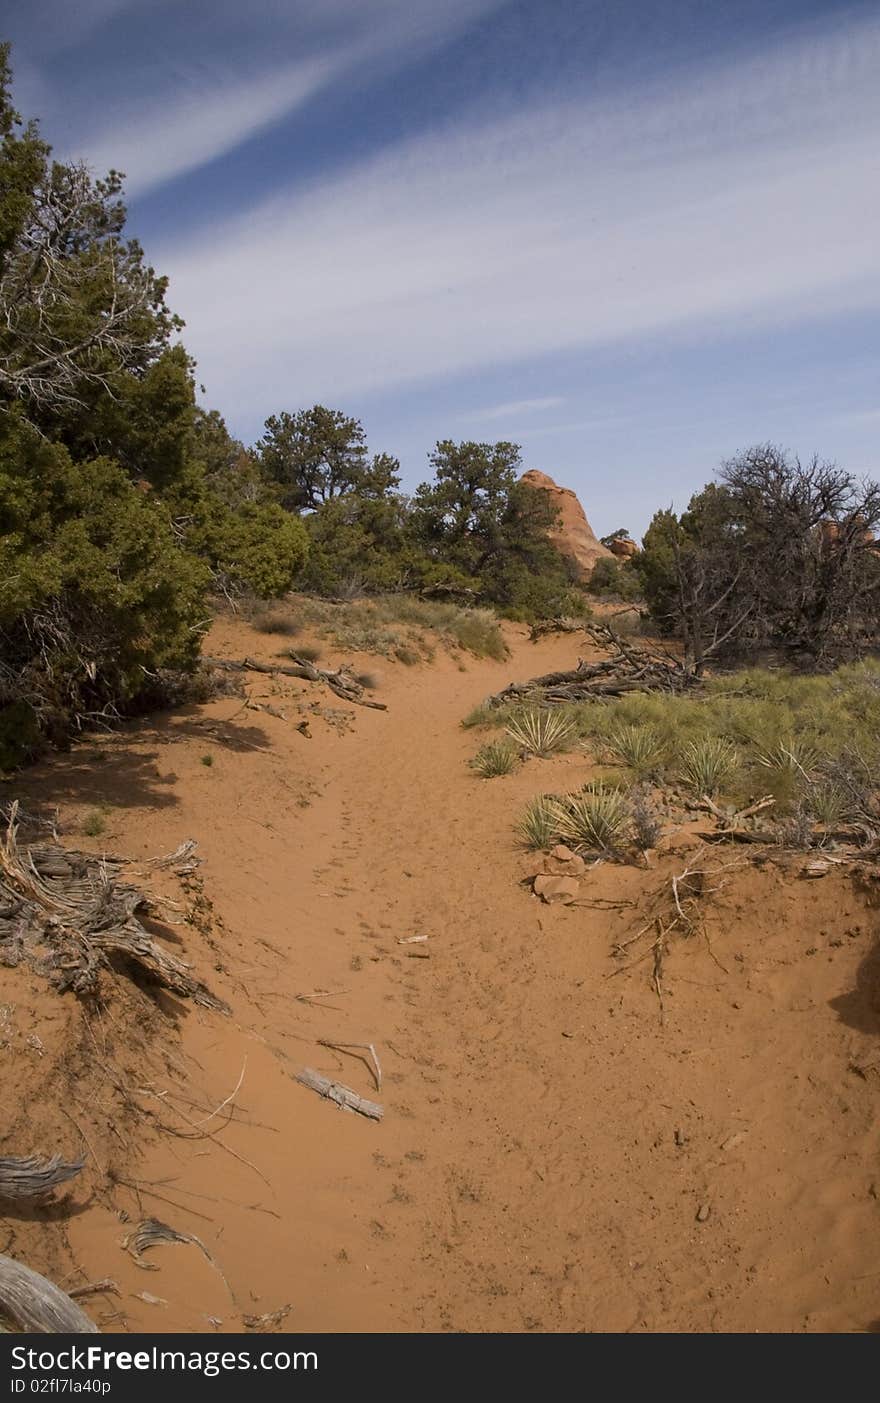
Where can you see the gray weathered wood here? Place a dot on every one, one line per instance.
(32, 1302)
(33, 1177)
(342, 1096)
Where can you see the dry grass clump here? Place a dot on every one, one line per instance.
(404, 627)
(273, 619)
(641, 748)
(541, 733)
(497, 757)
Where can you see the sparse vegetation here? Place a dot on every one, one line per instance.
(598, 818)
(647, 828)
(541, 733)
(94, 824)
(641, 748)
(539, 825)
(812, 743)
(274, 621)
(496, 757)
(707, 763)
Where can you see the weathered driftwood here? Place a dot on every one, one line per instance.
(342, 1096)
(67, 915)
(153, 1233)
(559, 625)
(31, 1302)
(343, 681)
(33, 1177)
(272, 1320)
(631, 668)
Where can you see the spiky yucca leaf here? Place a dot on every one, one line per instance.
(828, 803)
(641, 748)
(792, 757)
(707, 763)
(496, 757)
(597, 817)
(541, 732)
(539, 825)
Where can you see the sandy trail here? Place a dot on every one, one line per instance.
(547, 1144)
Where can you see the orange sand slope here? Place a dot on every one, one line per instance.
(547, 1146)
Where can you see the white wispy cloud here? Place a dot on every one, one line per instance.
(171, 118)
(740, 196)
(155, 144)
(512, 409)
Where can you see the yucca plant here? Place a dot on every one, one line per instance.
(497, 757)
(790, 757)
(598, 817)
(827, 803)
(707, 763)
(641, 748)
(541, 733)
(539, 825)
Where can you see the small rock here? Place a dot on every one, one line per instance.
(703, 1212)
(817, 868)
(733, 1140)
(553, 890)
(680, 1138)
(552, 865)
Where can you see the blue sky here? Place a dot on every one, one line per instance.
(633, 237)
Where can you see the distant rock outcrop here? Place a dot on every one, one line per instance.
(574, 536)
(623, 548)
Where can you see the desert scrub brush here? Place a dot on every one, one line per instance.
(790, 757)
(707, 763)
(541, 733)
(598, 817)
(828, 803)
(539, 825)
(640, 748)
(496, 757)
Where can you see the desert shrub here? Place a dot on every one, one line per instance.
(707, 763)
(541, 733)
(856, 775)
(95, 592)
(797, 829)
(626, 622)
(19, 734)
(477, 631)
(640, 748)
(828, 803)
(791, 756)
(615, 579)
(402, 625)
(646, 825)
(539, 826)
(266, 619)
(497, 757)
(599, 817)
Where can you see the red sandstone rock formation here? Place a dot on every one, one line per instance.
(574, 537)
(623, 548)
